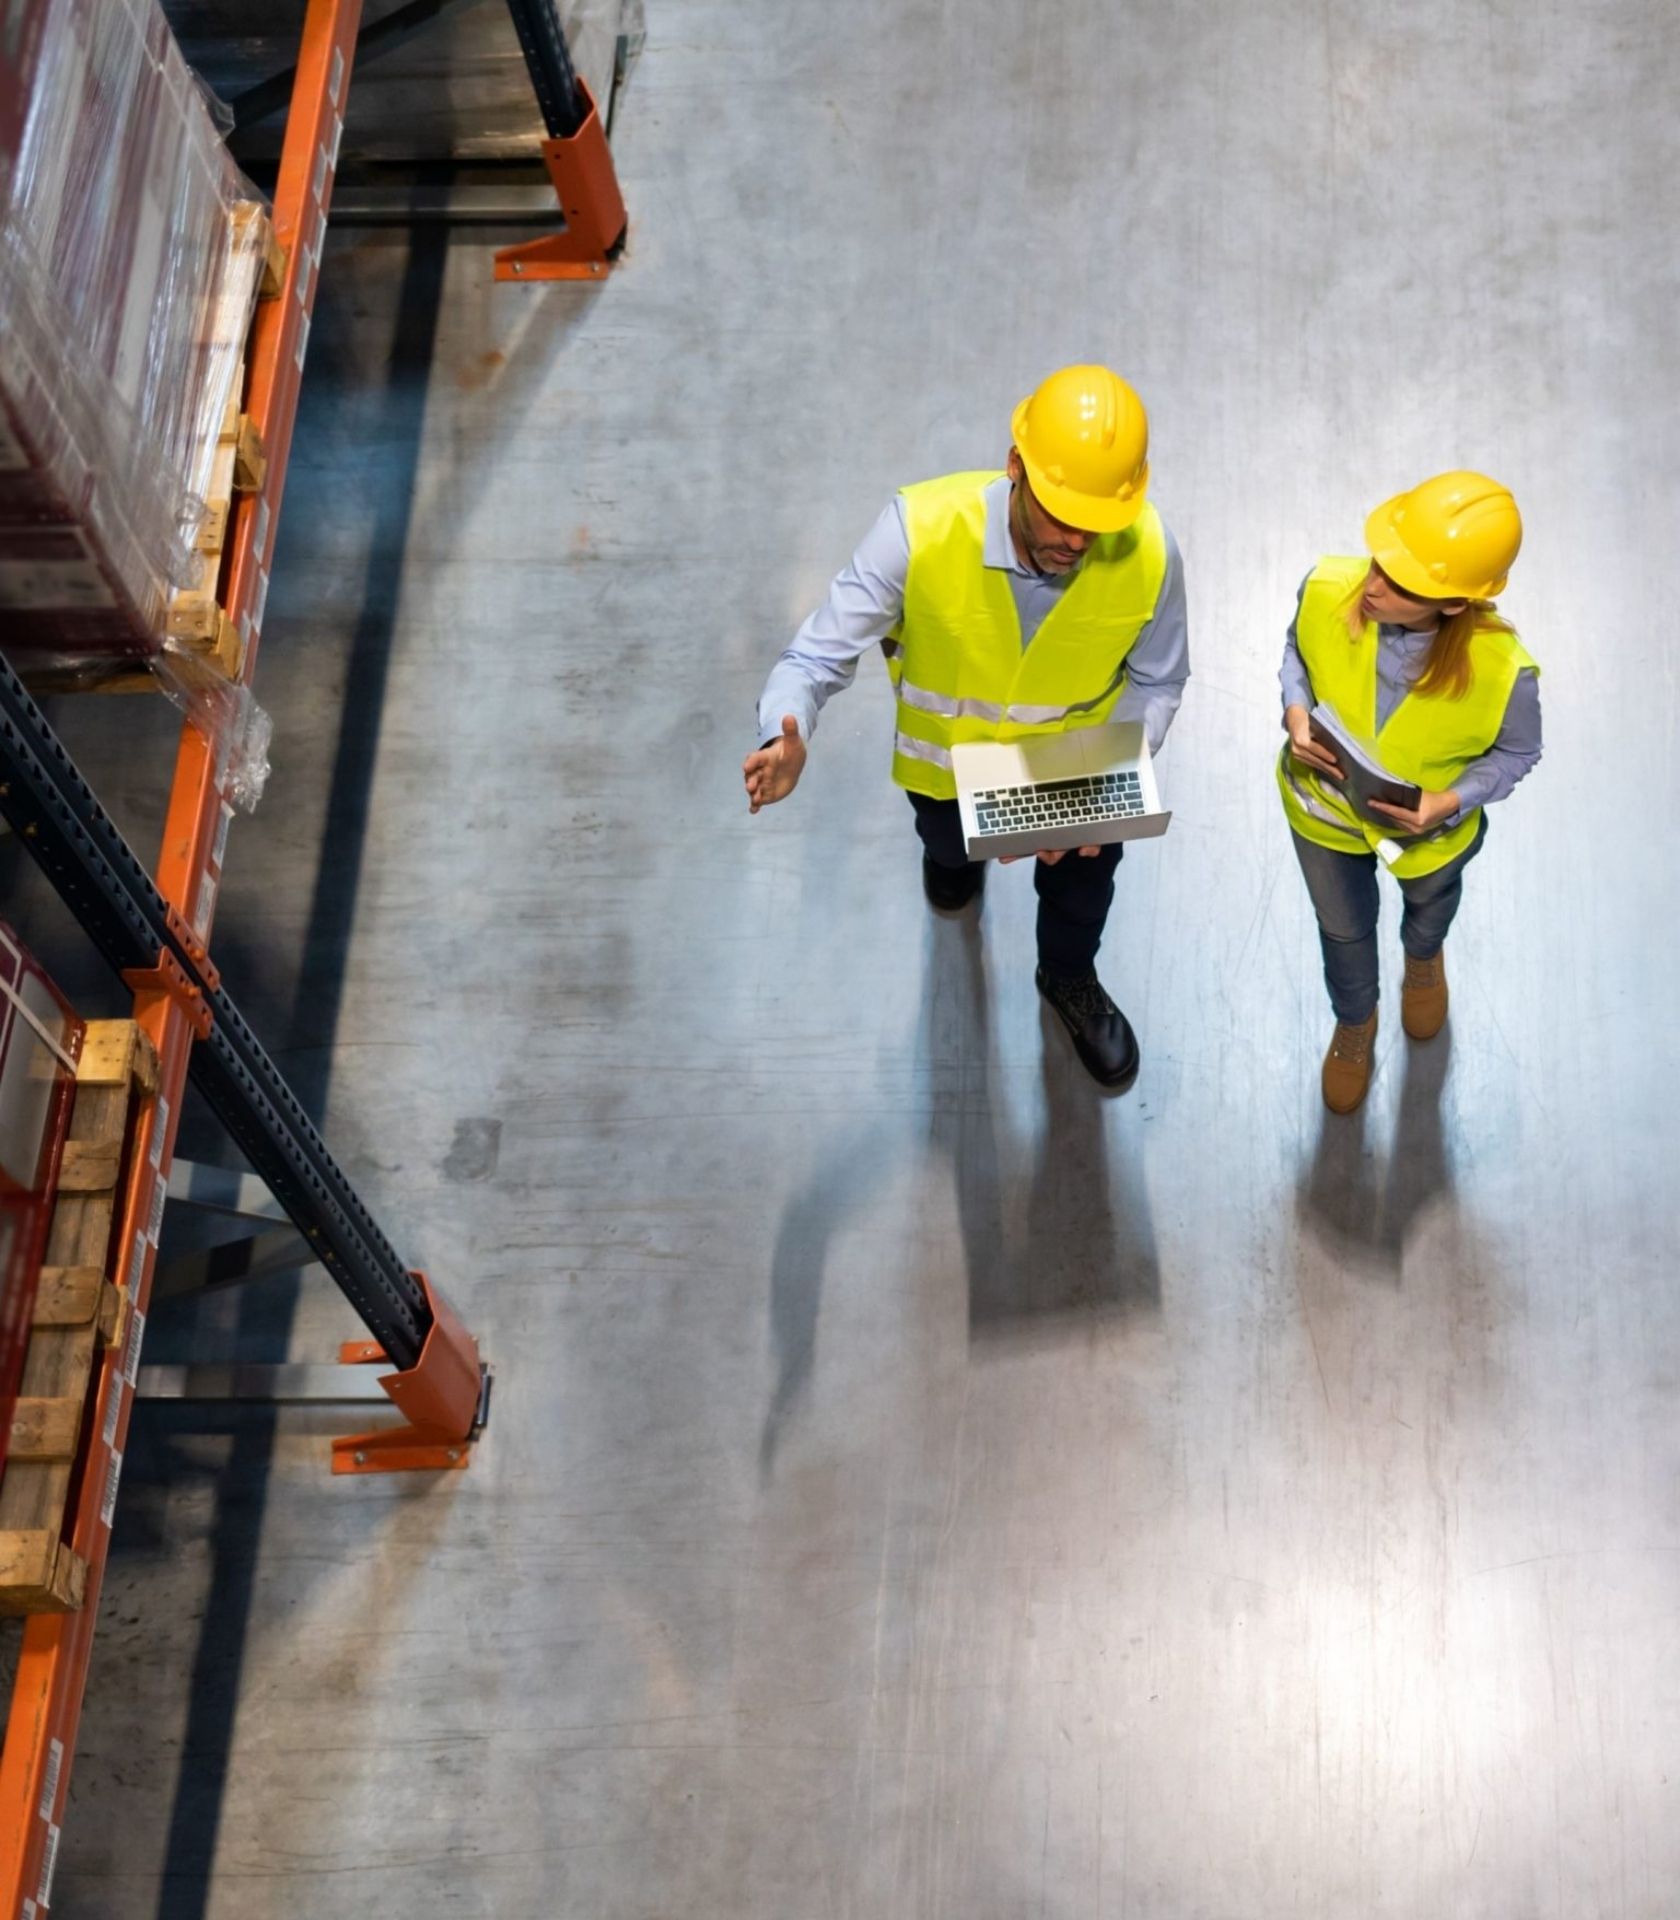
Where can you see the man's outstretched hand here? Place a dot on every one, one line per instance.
(773, 771)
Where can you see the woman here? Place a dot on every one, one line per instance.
(1406, 651)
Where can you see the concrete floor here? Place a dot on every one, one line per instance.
(919, 1486)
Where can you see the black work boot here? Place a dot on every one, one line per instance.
(1102, 1035)
(951, 888)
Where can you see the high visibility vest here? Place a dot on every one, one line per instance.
(1428, 739)
(955, 655)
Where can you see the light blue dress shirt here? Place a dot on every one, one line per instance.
(1400, 657)
(867, 598)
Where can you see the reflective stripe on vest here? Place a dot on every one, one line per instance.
(924, 700)
(1305, 797)
(921, 750)
(1428, 739)
(956, 659)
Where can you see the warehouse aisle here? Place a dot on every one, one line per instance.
(920, 1488)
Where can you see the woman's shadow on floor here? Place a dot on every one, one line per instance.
(1356, 1206)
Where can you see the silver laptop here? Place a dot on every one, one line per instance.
(1078, 789)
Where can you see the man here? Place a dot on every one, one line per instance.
(1046, 597)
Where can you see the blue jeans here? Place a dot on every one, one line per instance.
(1343, 887)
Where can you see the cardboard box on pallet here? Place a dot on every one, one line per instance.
(121, 258)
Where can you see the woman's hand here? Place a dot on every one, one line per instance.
(1429, 812)
(1305, 748)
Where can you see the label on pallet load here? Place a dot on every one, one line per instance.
(49, 1785)
(113, 1410)
(136, 1333)
(160, 1131)
(335, 76)
(49, 1865)
(108, 1506)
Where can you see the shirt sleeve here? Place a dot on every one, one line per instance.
(1513, 755)
(1159, 662)
(864, 602)
(1292, 675)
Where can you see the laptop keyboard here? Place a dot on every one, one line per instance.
(1091, 799)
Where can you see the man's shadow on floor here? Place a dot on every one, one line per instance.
(1355, 1206)
(1082, 1245)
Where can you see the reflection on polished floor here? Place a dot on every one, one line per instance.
(921, 1486)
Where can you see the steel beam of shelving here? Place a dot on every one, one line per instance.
(542, 39)
(55, 814)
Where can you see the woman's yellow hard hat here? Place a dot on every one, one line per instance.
(1453, 538)
(1083, 437)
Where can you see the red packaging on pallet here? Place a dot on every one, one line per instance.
(40, 1041)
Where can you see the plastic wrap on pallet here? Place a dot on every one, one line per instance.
(127, 277)
(240, 731)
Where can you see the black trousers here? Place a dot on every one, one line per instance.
(1073, 895)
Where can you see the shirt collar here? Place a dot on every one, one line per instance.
(998, 548)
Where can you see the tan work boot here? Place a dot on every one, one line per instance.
(1347, 1066)
(1423, 997)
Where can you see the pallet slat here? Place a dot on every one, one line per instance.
(45, 1429)
(113, 1053)
(68, 1296)
(39, 1573)
(250, 458)
(89, 1166)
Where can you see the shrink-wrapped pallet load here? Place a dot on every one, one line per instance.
(129, 264)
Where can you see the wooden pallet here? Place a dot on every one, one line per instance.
(196, 618)
(81, 1313)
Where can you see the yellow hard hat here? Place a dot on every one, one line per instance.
(1083, 437)
(1453, 538)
